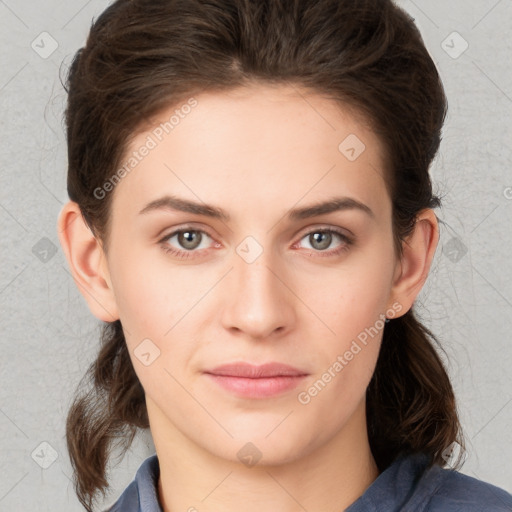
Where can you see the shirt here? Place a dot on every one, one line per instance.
(407, 485)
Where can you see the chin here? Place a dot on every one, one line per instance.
(255, 446)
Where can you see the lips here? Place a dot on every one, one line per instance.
(252, 381)
(250, 371)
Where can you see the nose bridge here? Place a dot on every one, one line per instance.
(260, 302)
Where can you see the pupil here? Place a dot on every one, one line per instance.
(317, 237)
(186, 239)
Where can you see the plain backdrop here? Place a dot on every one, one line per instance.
(49, 337)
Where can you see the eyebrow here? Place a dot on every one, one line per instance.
(184, 205)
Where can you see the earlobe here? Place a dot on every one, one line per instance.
(87, 262)
(418, 252)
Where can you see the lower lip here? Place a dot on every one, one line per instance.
(258, 388)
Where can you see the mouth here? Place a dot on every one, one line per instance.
(253, 381)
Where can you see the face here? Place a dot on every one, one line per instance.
(269, 281)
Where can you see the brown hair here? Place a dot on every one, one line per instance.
(142, 56)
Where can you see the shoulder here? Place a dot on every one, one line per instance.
(437, 489)
(128, 501)
(142, 493)
(409, 484)
(456, 491)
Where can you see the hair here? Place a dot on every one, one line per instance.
(143, 56)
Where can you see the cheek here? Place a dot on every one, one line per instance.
(345, 358)
(150, 295)
(358, 293)
(159, 307)
(354, 309)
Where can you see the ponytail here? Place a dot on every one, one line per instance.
(410, 400)
(110, 410)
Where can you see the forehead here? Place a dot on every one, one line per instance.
(276, 144)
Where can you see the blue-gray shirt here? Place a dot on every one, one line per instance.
(407, 486)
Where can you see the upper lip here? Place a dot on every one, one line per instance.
(241, 369)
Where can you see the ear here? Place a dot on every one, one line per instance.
(87, 262)
(418, 252)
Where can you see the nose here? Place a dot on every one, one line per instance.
(259, 302)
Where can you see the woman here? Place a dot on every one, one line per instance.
(251, 215)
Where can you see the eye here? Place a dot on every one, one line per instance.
(188, 238)
(321, 239)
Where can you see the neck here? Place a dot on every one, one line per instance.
(327, 479)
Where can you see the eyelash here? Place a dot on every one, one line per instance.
(190, 254)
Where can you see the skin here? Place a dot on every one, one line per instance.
(255, 152)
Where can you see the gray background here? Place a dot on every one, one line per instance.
(49, 337)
